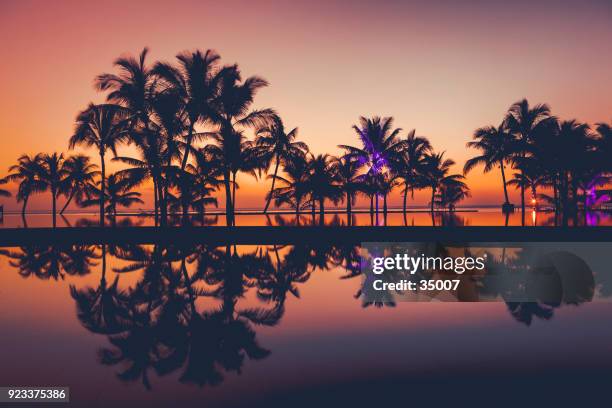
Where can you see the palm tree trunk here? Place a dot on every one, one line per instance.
(371, 204)
(321, 212)
(522, 204)
(405, 198)
(67, 202)
(102, 188)
(155, 202)
(349, 208)
(25, 204)
(433, 195)
(273, 181)
(234, 199)
(228, 198)
(503, 174)
(53, 198)
(188, 148)
(385, 204)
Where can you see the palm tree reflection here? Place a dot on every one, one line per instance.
(194, 309)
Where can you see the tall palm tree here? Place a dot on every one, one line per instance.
(276, 145)
(26, 173)
(51, 174)
(436, 171)
(495, 145)
(196, 81)
(522, 122)
(80, 177)
(232, 112)
(103, 127)
(408, 164)
(168, 122)
(379, 142)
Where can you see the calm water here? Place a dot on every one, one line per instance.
(277, 326)
(472, 217)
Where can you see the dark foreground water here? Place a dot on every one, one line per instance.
(201, 326)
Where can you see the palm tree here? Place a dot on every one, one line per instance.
(233, 111)
(322, 181)
(294, 185)
(276, 145)
(196, 81)
(206, 180)
(452, 190)
(133, 88)
(522, 121)
(380, 144)
(52, 174)
(495, 145)
(103, 127)
(349, 180)
(436, 171)
(408, 164)
(167, 124)
(117, 193)
(80, 177)
(26, 173)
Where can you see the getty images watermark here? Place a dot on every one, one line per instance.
(551, 273)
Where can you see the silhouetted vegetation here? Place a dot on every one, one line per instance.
(189, 122)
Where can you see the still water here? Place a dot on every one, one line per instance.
(154, 326)
(467, 217)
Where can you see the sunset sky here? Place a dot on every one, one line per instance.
(438, 66)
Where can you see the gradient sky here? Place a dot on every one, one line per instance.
(437, 66)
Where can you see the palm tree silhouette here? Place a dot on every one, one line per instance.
(408, 164)
(293, 190)
(167, 125)
(103, 127)
(104, 309)
(233, 111)
(133, 88)
(436, 171)
(349, 181)
(495, 145)
(531, 176)
(322, 181)
(452, 191)
(380, 144)
(79, 178)
(196, 81)
(52, 261)
(275, 145)
(522, 122)
(26, 173)
(149, 165)
(233, 154)
(118, 193)
(51, 174)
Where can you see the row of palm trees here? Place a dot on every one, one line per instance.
(188, 124)
(565, 157)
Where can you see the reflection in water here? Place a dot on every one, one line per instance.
(194, 310)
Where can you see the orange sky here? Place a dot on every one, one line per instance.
(442, 68)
